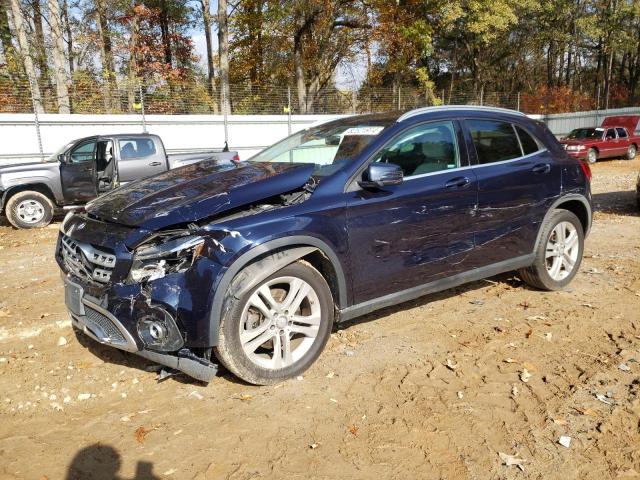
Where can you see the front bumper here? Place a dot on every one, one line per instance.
(102, 326)
(580, 155)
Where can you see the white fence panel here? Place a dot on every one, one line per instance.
(180, 133)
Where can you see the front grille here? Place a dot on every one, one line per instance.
(85, 261)
(103, 328)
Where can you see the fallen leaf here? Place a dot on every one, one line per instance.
(514, 390)
(460, 394)
(529, 333)
(525, 375)
(170, 472)
(586, 411)
(560, 421)
(353, 429)
(245, 397)
(330, 375)
(140, 433)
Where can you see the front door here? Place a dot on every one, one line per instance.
(518, 180)
(417, 232)
(78, 173)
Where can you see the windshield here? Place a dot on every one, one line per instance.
(329, 147)
(54, 156)
(581, 133)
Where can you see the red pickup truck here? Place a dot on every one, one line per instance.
(614, 138)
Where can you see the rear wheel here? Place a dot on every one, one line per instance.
(559, 253)
(592, 156)
(631, 152)
(278, 328)
(29, 209)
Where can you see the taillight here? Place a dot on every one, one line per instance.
(585, 169)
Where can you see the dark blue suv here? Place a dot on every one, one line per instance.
(255, 262)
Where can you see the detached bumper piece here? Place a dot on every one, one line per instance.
(186, 362)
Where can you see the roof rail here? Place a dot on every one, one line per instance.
(420, 111)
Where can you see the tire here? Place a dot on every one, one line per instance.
(543, 274)
(631, 152)
(592, 156)
(267, 332)
(29, 209)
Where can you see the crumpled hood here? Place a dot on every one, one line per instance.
(195, 192)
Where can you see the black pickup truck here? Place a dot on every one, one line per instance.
(30, 194)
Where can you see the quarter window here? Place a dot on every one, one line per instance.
(131, 148)
(423, 149)
(622, 133)
(528, 143)
(83, 153)
(494, 141)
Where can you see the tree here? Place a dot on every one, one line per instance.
(223, 56)
(324, 34)
(25, 52)
(206, 19)
(60, 73)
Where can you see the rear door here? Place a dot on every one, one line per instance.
(139, 157)
(78, 172)
(623, 138)
(517, 182)
(417, 232)
(612, 146)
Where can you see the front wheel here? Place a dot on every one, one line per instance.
(29, 209)
(631, 152)
(558, 254)
(277, 329)
(592, 156)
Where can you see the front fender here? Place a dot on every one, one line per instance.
(274, 255)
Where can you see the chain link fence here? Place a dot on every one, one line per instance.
(88, 96)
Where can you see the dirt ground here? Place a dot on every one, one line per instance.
(434, 388)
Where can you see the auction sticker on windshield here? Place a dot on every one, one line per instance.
(363, 130)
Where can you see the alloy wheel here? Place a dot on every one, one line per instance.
(280, 322)
(562, 251)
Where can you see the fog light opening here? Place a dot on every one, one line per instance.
(157, 331)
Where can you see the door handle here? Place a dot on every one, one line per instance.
(155, 164)
(458, 182)
(541, 168)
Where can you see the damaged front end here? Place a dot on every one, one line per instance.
(149, 291)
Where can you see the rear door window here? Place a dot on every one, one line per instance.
(494, 141)
(622, 133)
(133, 148)
(528, 143)
(611, 134)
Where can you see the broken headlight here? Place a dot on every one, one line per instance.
(163, 254)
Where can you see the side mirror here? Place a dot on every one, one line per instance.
(62, 158)
(381, 175)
